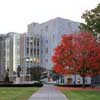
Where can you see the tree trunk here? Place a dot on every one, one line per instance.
(92, 82)
(75, 80)
(83, 82)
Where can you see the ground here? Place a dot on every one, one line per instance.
(48, 92)
(16, 93)
(24, 93)
(81, 93)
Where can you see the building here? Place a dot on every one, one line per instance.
(51, 32)
(2, 57)
(20, 50)
(30, 53)
(12, 54)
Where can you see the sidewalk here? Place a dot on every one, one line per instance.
(48, 93)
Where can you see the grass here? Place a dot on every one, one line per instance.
(16, 93)
(82, 95)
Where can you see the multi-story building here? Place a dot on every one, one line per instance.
(22, 50)
(12, 53)
(51, 33)
(30, 52)
(2, 57)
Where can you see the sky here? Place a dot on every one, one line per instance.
(15, 15)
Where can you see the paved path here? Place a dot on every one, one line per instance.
(48, 93)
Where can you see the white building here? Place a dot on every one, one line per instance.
(12, 53)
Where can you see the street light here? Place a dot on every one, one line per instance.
(34, 59)
(26, 69)
(31, 59)
(27, 59)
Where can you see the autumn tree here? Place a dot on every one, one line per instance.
(77, 53)
(92, 20)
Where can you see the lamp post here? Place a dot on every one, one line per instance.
(18, 74)
(18, 71)
(31, 60)
(27, 60)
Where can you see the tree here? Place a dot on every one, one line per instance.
(7, 76)
(77, 53)
(92, 21)
(36, 72)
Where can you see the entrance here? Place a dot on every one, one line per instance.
(69, 81)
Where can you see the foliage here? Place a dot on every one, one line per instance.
(7, 76)
(92, 21)
(77, 53)
(36, 72)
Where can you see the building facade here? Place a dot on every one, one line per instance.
(20, 50)
(51, 33)
(30, 53)
(2, 57)
(12, 54)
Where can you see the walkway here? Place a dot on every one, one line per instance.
(48, 93)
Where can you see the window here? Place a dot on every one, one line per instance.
(31, 38)
(31, 51)
(46, 50)
(46, 28)
(31, 44)
(27, 50)
(53, 37)
(37, 42)
(27, 43)
(46, 60)
(38, 52)
(27, 38)
(34, 51)
(46, 41)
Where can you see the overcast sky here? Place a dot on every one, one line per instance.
(15, 15)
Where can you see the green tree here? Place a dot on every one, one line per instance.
(92, 21)
(7, 76)
(36, 72)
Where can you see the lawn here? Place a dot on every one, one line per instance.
(16, 93)
(82, 95)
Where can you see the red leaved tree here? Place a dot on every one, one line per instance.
(77, 53)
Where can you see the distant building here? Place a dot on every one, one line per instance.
(31, 52)
(51, 33)
(12, 53)
(2, 57)
(22, 50)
